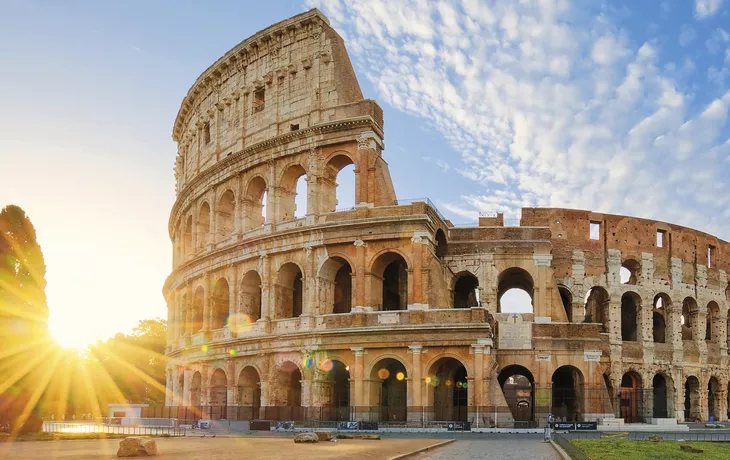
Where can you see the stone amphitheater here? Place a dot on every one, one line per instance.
(386, 311)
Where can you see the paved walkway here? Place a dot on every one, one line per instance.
(499, 448)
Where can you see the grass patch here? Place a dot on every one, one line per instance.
(43, 436)
(619, 449)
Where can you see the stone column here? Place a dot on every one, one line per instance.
(204, 385)
(271, 194)
(542, 304)
(231, 383)
(678, 381)
(187, 380)
(207, 301)
(359, 284)
(357, 373)
(416, 378)
(169, 390)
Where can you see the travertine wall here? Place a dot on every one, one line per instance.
(261, 304)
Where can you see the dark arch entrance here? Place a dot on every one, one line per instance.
(692, 399)
(465, 291)
(713, 398)
(338, 377)
(567, 394)
(631, 398)
(518, 386)
(389, 389)
(660, 400)
(448, 379)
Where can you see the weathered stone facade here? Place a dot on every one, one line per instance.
(387, 308)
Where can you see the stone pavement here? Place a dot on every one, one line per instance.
(498, 448)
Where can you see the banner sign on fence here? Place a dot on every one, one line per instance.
(586, 426)
(369, 426)
(458, 426)
(564, 426)
(347, 425)
(284, 426)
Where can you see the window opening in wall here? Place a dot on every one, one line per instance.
(300, 200)
(595, 230)
(630, 272)
(206, 133)
(258, 100)
(514, 292)
(295, 127)
(345, 192)
(465, 291)
(660, 234)
(710, 255)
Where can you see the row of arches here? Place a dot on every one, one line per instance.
(212, 224)
(662, 329)
(334, 283)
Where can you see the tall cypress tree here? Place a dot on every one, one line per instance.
(23, 315)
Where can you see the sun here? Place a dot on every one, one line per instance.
(71, 333)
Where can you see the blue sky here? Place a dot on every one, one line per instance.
(489, 106)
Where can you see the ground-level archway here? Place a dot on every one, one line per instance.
(195, 385)
(631, 398)
(337, 379)
(692, 399)
(662, 397)
(218, 395)
(389, 390)
(713, 399)
(567, 394)
(518, 386)
(449, 388)
(249, 394)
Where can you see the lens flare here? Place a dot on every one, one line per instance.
(204, 348)
(464, 385)
(458, 384)
(428, 380)
(232, 352)
(326, 365)
(308, 363)
(400, 376)
(383, 374)
(449, 383)
(240, 323)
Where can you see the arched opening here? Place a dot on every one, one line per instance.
(567, 394)
(631, 398)
(183, 325)
(293, 193)
(225, 215)
(391, 271)
(447, 377)
(251, 297)
(518, 386)
(255, 204)
(688, 318)
(441, 246)
(203, 230)
(713, 399)
(466, 291)
(338, 184)
(188, 236)
(389, 389)
(220, 304)
(713, 324)
(337, 376)
(289, 378)
(630, 305)
(566, 297)
(659, 318)
(630, 272)
(195, 386)
(218, 395)
(289, 290)
(661, 397)
(692, 399)
(249, 393)
(514, 292)
(335, 285)
(198, 305)
(596, 307)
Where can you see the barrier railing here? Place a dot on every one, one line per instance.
(94, 427)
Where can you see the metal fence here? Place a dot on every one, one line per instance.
(694, 435)
(95, 427)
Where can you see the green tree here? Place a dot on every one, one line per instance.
(23, 319)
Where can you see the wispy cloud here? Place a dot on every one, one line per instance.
(547, 104)
(707, 8)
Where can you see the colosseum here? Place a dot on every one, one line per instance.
(386, 311)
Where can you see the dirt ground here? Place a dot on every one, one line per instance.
(219, 449)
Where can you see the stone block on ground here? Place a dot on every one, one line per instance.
(655, 438)
(137, 446)
(306, 437)
(369, 436)
(688, 448)
(324, 435)
(345, 436)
